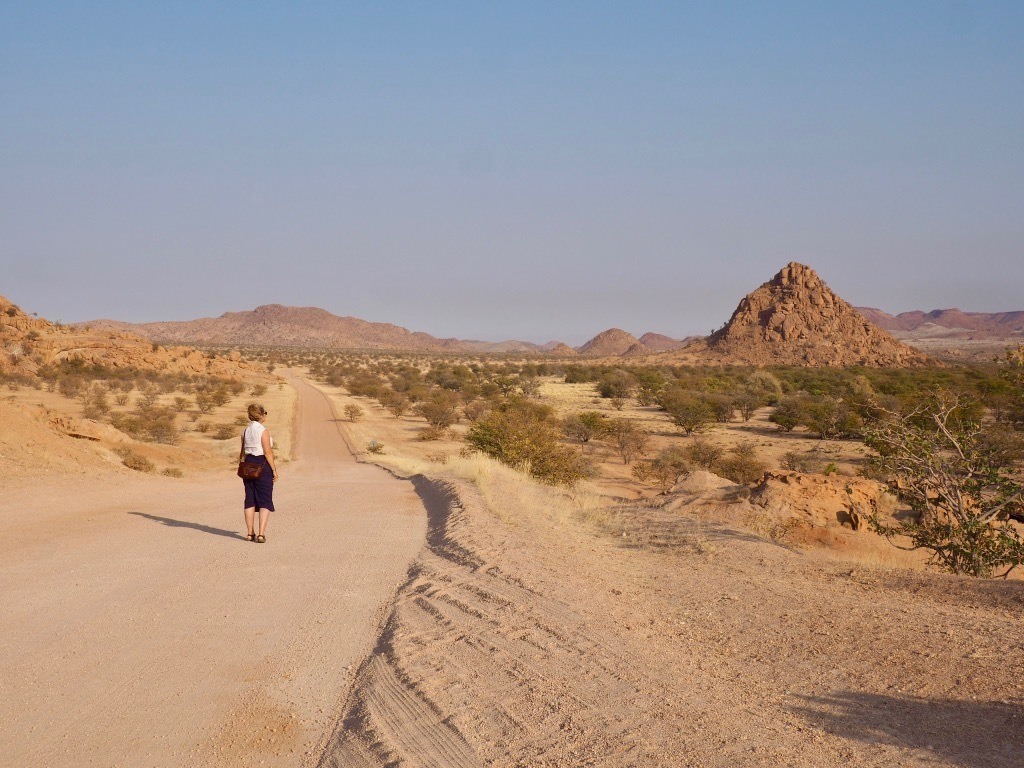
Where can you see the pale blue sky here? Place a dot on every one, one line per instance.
(508, 170)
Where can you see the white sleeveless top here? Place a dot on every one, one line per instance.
(252, 438)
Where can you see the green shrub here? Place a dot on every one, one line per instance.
(688, 411)
(703, 454)
(742, 465)
(965, 499)
(790, 413)
(524, 435)
(439, 411)
(583, 427)
(616, 384)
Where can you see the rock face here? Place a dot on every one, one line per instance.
(614, 341)
(795, 319)
(821, 500)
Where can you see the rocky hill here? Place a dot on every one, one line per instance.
(28, 343)
(562, 350)
(609, 343)
(795, 319)
(661, 343)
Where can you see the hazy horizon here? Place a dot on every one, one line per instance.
(511, 172)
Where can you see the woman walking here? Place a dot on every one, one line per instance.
(258, 448)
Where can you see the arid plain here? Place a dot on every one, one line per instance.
(680, 580)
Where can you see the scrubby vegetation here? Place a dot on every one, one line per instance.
(965, 496)
(658, 423)
(147, 405)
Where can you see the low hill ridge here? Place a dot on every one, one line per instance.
(990, 323)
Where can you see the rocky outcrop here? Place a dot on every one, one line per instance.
(821, 500)
(28, 343)
(88, 429)
(795, 319)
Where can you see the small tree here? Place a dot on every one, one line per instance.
(629, 441)
(354, 412)
(747, 403)
(789, 413)
(965, 501)
(440, 412)
(204, 402)
(663, 470)
(688, 411)
(722, 406)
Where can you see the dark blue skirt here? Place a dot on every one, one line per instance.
(259, 493)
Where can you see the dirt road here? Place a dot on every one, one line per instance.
(139, 628)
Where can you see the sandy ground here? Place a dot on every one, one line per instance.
(139, 628)
(536, 632)
(667, 642)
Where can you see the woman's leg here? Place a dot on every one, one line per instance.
(264, 517)
(250, 519)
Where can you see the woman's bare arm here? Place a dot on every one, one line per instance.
(268, 451)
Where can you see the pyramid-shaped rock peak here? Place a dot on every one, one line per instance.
(795, 319)
(614, 341)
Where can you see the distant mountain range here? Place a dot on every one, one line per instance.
(793, 319)
(966, 324)
(275, 325)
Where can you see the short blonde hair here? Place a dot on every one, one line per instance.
(256, 411)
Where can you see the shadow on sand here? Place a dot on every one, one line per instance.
(172, 523)
(973, 734)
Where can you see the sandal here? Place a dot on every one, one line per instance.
(261, 539)
(251, 537)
